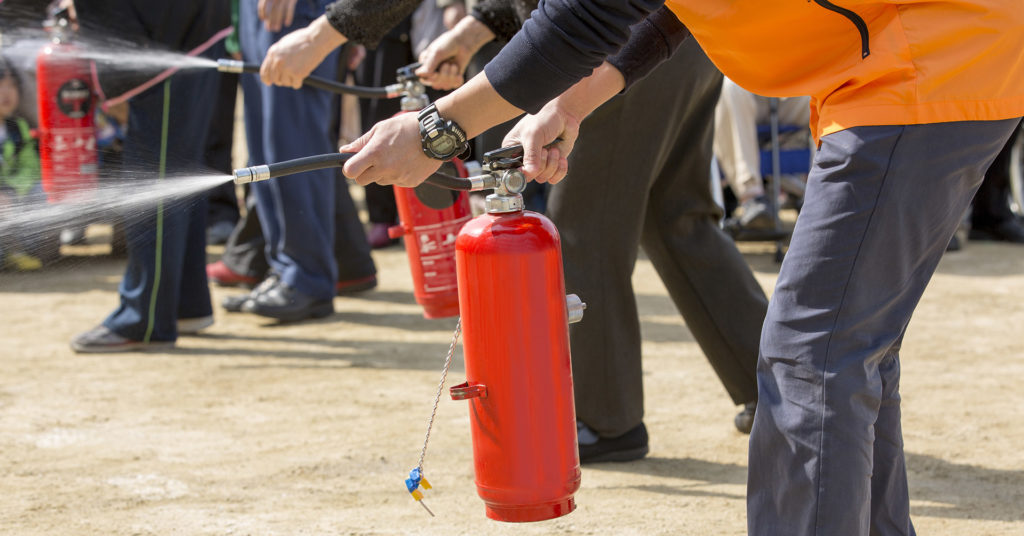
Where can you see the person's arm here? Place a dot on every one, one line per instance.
(293, 57)
(444, 60)
(290, 60)
(576, 32)
(562, 42)
(391, 152)
(549, 135)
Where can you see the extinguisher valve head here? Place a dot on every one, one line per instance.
(513, 181)
(252, 174)
(226, 65)
(575, 307)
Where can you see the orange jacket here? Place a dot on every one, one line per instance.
(870, 62)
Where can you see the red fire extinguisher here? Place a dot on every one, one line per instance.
(429, 220)
(515, 317)
(67, 140)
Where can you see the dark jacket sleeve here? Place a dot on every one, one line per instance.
(367, 21)
(651, 41)
(561, 43)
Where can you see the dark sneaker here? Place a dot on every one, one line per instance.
(355, 286)
(627, 447)
(287, 304)
(744, 420)
(100, 340)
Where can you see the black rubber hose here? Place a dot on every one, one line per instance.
(322, 161)
(332, 86)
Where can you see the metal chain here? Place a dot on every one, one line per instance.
(440, 388)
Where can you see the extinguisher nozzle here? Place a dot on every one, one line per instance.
(252, 174)
(226, 65)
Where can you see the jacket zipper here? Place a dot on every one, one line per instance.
(862, 27)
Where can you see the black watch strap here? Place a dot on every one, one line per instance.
(442, 139)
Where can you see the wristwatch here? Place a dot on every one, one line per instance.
(442, 139)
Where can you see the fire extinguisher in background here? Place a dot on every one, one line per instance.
(67, 140)
(515, 317)
(429, 221)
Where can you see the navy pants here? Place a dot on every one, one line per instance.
(296, 213)
(826, 451)
(165, 278)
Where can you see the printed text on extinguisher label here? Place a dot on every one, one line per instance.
(74, 152)
(437, 254)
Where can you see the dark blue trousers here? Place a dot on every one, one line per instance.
(826, 451)
(165, 278)
(297, 213)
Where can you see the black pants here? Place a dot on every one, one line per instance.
(639, 175)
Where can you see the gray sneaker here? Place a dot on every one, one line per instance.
(754, 214)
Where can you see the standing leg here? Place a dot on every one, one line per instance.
(708, 279)
(882, 203)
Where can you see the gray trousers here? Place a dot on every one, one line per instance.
(639, 174)
(826, 451)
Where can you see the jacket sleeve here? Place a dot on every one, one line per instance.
(651, 41)
(561, 43)
(367, 21)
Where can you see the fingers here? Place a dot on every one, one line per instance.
(274, 72)
(289, 14)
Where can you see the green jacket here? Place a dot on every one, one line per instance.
(19, 168)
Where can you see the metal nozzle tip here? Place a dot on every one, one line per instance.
(251, 174)
(226, 65)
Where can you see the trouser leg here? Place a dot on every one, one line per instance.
(600, 212)
(882, 203)
(297, 212)
(244, 252)
(708, 279)
(735, 141)
(161, 238)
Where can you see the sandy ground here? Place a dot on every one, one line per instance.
(255, 428)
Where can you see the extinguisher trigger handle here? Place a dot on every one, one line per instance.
(396, 231)
(465, 391)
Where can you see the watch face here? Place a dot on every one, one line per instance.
(442, 145)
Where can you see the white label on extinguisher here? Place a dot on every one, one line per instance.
(437, 253)
(74, 152)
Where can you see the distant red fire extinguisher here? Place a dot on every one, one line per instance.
(429, 220)
(67, 140)
(515, 317)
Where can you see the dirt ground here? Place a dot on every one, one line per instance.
(256, 428)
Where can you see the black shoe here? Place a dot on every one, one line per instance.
(287, 304)
(744, 420)
(629, 446)
(1007, 231)
(234, 304)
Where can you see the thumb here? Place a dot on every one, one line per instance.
(359, 163)
(429, 62)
